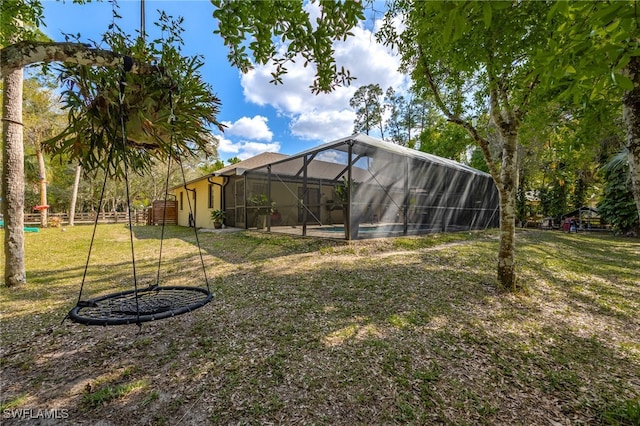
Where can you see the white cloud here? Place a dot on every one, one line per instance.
(326, 116)
(226, 146)
(332, 156)
(254, 128)
(245, 138)
(324, 126)
(243, 149)
(369, 61)
(250, 149)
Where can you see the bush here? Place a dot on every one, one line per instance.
(618, 206)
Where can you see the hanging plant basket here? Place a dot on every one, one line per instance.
(116, 115)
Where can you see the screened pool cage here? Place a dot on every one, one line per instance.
(360, 187)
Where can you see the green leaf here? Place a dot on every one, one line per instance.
(612, 26)
(622, 81)
(448, 28)
(623, 62)
(459, 27)
(487, 12)
(607, 12)
(499, 5)
(558, 8)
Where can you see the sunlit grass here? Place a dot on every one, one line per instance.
(107, 393)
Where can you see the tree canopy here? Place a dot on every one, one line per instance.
(594, 53)
(367, 103)
(260, 31)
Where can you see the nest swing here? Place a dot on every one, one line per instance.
(155, 302)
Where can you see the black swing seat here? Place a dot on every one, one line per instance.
(138, 306)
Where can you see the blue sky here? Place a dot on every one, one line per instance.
(260, 117)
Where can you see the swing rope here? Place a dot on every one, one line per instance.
(164, 211)
(123, 130)
(166, 184)
(195, 230)
(95, 226)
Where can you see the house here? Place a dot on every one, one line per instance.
(354, 187)
(199, 197)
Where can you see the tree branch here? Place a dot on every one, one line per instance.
(494, 96)
(19, 55)
(526, 97)
(502, 92)
(473, 132)
(432, 84)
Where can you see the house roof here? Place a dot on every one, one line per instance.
(240, 167)
(363, 144)
(592, 211)
(250, 163)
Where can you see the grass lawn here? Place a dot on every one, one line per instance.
(302, 331)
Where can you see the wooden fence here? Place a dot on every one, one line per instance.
(138, 218)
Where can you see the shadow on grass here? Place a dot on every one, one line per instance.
(344, 338)
(239, 247)
(596, 273)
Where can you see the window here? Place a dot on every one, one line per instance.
(181, 200)
(210, 195)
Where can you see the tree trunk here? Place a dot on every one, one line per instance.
(42, 170)
(631, 115)
(74, 196)
(508, 190)
(13, 179)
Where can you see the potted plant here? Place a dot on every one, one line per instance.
(262, 209)
(168, 110)
(218, 217)
(348, 209)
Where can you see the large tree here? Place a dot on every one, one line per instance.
(474, 57)
(395, 104)
(367, 103)
(445, 139)
(596, 53)
(617, 206)
(42, 119)
(19, 21)
(407, 118)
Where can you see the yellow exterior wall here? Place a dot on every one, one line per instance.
(200, 207)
